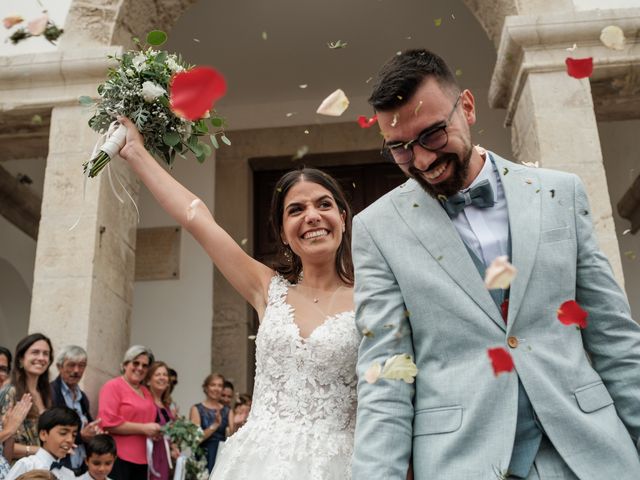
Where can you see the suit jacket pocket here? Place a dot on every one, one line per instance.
(555, 234)
(437, 420)
(593, 397)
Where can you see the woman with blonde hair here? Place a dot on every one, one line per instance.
(159, 386)
(212, 416)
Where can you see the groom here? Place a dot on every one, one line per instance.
(571, 407)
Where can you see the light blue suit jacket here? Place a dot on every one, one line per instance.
(418, 292)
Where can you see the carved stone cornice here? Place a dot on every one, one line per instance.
(49, 79)
(538, 43)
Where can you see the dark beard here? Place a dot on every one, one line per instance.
(451, 186)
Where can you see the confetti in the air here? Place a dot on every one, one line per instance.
(630, 254)
(570, 313)
(197, 40)
(38, 25)
(535, 164)
(12, 20)
(627, 231)
(437, 22)
(500, 273)
(368, 80)
(365, 122)
(290, 114)
(191, 210)
(334, 105)
(302, 151)
(579, 67)
(336, 44)
(501, 360)
(612, 37)
(458, 72)
(397, 367)
(264, 35)
(244, 241)
(394, 122)
(572, 48)
(304, 85)
(367, 333)
(36, 120)
(418, 107)
(193, 93)
(251, 337)
(306, 132)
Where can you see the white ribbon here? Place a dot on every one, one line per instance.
(150, 472)
(181, 467)
(115, 140)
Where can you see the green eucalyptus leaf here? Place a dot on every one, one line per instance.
(84, 100)
(206, 149)
(214, 141)
(156, 38)
(216, 122)
(161, 58)
(225, 140)
(171, 138)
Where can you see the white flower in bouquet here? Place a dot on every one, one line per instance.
(151, 91)
(167, 100)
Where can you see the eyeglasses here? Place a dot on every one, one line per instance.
(137, 364)
(4, 369)
(432, 139)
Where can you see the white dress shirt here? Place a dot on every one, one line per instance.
(41, 460)
(486, 230)
(86, 476)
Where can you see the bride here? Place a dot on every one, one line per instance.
(303, 414)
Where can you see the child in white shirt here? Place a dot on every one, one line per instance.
(57, 429)
(101, 455)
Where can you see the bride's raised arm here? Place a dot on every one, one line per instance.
(248, 276)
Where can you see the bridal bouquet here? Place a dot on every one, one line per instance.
(169, 101)
(187, 436)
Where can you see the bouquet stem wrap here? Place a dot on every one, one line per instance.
(116, 138)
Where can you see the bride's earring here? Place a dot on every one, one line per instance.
(287, 252)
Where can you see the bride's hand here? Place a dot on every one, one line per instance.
(134, 138)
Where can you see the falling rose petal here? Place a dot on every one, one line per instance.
(193, 92)
(500, 273)
(570, 313)
(501, 360)
(334, 105)
(400, 367)
(612, 37)
(627, 231)
(365, 122)
(572, 48)
(9, 22)
(579, 67)
(191, 210)
(373, 373)
(38, 25)
(301, 152)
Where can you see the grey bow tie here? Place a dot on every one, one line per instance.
(480, 195)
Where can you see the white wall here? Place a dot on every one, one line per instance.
(173, 317)
(604, 4)
(622, 164)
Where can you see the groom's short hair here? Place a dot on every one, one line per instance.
(401, 76)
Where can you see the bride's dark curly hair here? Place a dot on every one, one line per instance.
(287, 263)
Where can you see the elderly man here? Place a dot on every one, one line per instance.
(71, 363)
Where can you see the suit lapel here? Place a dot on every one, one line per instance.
(435, 231)
(522, 191)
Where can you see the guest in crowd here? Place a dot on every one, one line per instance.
(57, 430)
(226, 398)
(65, 391)
(101, 455)
(240, 413)
(128, 413)
(158, 383)
(37, 475)
(212, 416)
(9, 425)
(5, 366)
(30, 374)
(173, 381)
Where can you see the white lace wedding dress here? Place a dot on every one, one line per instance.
(303, 414)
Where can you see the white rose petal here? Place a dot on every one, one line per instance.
(612, 37)
(151, 91)
(38, 25)
(373, 373)
(400, 367)
(138, 61)
(173, 65)
(191, 210)
(500, 273)
(334, 105)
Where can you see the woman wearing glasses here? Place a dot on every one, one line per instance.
(128, 413)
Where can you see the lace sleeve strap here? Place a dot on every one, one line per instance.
(278, 287)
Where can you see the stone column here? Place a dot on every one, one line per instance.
(83, 278)
(552, 115)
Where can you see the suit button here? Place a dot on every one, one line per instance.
(512, 342)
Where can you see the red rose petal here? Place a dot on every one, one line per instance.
(501, 360)
(365, 122)
(193, 93)
(504, 309)
(579, 67)
(570, 313)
